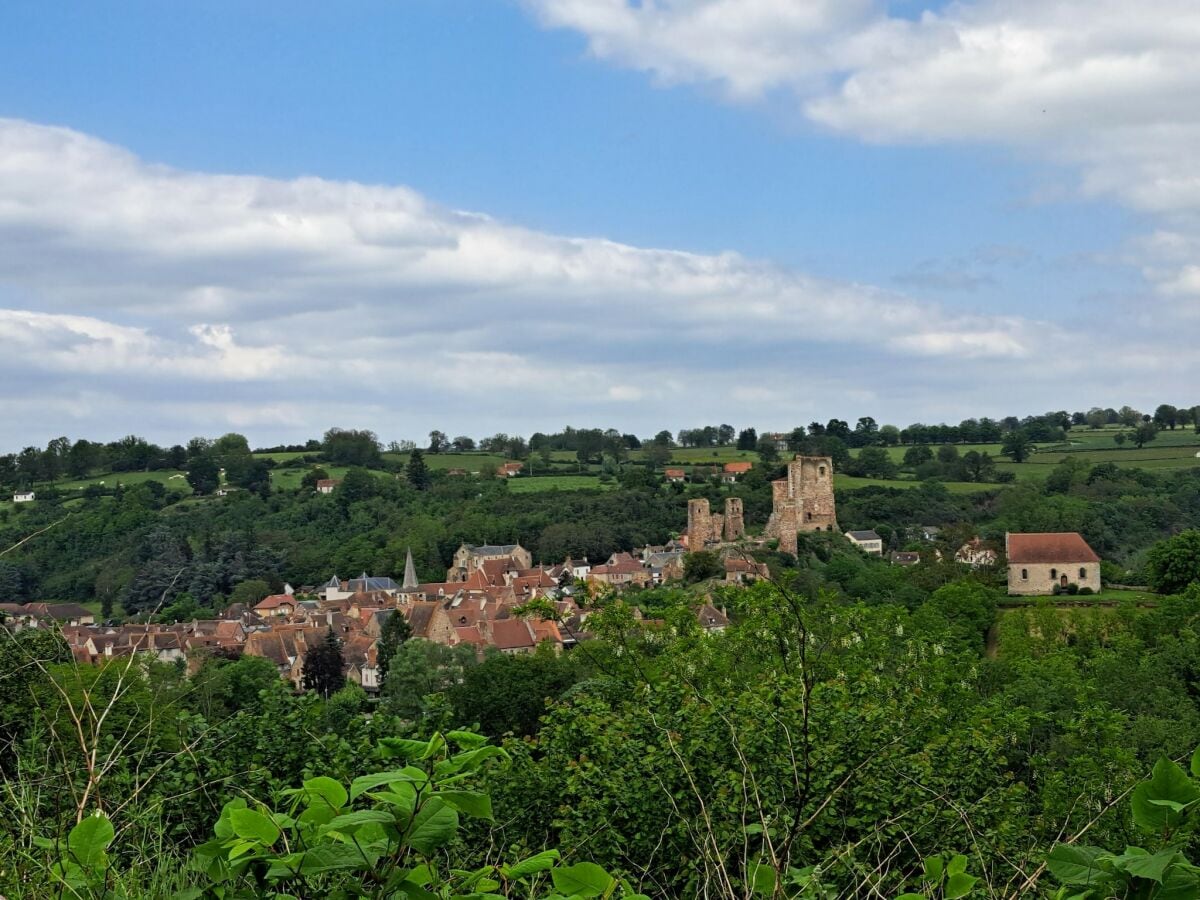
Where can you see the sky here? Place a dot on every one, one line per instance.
(515, 215)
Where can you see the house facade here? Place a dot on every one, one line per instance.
(1038, 563)
(866, 541)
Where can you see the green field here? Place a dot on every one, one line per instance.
(557, 483)
(852, 483)
(1171, 450)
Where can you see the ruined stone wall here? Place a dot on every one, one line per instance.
(699, 530)
(803, 501)
(735, 520)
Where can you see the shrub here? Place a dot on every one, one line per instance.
(1086, 592)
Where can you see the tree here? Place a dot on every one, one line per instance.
(768, 450)
(747, 439)
(725, 435)
(438, 442)
(978, 466)
(1144, 434)
(1173, 564)
(658, 455)
(1128, 416)
(875, 462)
(1119, 438)
(417, 472)
(1017, 446)
(324, 667)
(395, 632)
(250, 591)
(203, 475)
(663, 438)
(1166, 416)
(357, 484)
(420, 669)
(917, 455)
(700, 565)
(463, 444)
(311, 477)
(509, 693)
(351, 448)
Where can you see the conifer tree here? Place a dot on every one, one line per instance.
(324, 667)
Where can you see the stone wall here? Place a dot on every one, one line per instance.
(1038, 579)
(803, 501)
(706, 527)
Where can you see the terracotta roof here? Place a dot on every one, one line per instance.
(675, 473)
(1060, 547)
(738, 468)
(275, 601)
(512, 634)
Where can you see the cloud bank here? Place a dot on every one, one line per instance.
(139, 298)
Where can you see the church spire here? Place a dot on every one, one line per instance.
(410, 573)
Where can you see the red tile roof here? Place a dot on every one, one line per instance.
(738, 468)
(1061, 547)
(512, 634)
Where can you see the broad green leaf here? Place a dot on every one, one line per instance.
(392, 747)
(468, 740)
(90, 838)
(933, 869)
(911, 896)
(433, 826)
(356, 819)
(1151, 866)
(253, 825)
(223, 829)
(1196, 762)
(367, 782)
(1073, 864)
(1167, 782)
(325, 789)
(761, 878)
(469, 760)
(583, 879)
(959, 885)
(473, 803)
(957, 865)
(436, 745)
(540, 862)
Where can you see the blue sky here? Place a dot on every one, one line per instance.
(589, 119)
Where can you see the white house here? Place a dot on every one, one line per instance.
(866, 541)
(23, 497)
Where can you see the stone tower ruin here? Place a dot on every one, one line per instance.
(803, 501)
(735, 521)
(705, 528)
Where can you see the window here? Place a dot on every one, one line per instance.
(1082, 574)
(821, 471)
(1024, 574)
(810, 517)
(1053, 574)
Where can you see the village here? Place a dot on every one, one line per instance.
(482, 601)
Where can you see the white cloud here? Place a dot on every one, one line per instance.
(1106, 87)
(183, 300)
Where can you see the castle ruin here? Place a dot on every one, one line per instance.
(705, 527)
(802, 502)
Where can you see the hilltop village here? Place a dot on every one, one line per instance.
(482, 601)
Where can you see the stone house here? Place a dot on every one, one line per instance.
(327, 485)
(1037, 563)
(23, 497)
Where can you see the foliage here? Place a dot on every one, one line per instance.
(1173, 564)
(323, 667)
(700, 565)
